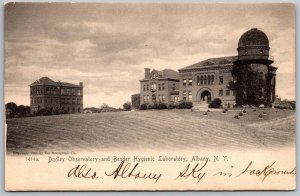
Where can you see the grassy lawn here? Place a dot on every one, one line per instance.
(153, 129)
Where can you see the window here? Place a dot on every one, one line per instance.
(190, 95)
(184, 95)
(163, 97)
(147, 87)
(201, 80)
(221, 92)
(153, 86)
(190, 82)
(198, 80)
(159, 87)
(153, 97)
(221, 79)
(163, 86)
(148, 97)
(227, 92)
(174, 87)
(208, 80)
(205, 80)
(261, 93)
(144, 87)
(184, 82)
(175, 99)
(212, 79)
(159, 97)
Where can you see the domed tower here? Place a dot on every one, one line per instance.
(252, 71)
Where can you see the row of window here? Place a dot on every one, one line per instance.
(161, 86)
(71, 92)
(37, 100)
(146, 98)
(53, 91)
(221, 93)
(202, 80)
(187, 96)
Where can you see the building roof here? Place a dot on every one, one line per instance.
(254, 37)
(48, 81)
(169, 73)
(219, 61)
(164, 74)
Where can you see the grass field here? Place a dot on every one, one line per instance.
(165, 129)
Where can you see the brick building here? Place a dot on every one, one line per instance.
(48, 94)
(159, 86)
(209, 79)
(248, 78)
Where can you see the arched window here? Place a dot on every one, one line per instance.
(208, 81)
(205, 79)
(78, 110)
(201, 80)
(198, 80)
(212, 79)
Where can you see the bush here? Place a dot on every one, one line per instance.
(171, 105)
(161, 106)
(43, 112)
(143, 107)
(127, 106)
(236, 117)
(184, 105)
(216, 103)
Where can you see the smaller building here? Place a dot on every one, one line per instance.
(136, 101)
(159, 86)
(60, 96)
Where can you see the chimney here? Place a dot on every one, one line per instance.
(80, 84)
(147, 72)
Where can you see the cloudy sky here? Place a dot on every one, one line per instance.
(107, 46)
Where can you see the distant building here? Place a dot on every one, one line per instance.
(48, 94)
(248, 78)
(159, 86)
(136, 101)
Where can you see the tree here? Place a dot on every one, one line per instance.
(22, 111)
(11, 109)
(127, 106)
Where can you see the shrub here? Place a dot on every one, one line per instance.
(216, 103)
(260, 116)
(224, 111)
(107, 108)
(171, 105)
(150, 106)
(161, 106)
(208, 111)
(240, 114)
(127, 106)
(184, 105)
(143, 107)
(244, 111)
(205, 113)
(236, 117)
(43, 112)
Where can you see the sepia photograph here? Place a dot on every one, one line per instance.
(150, 96)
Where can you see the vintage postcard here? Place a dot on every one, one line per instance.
(150, 96)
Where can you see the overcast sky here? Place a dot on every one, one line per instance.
(107, 46)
